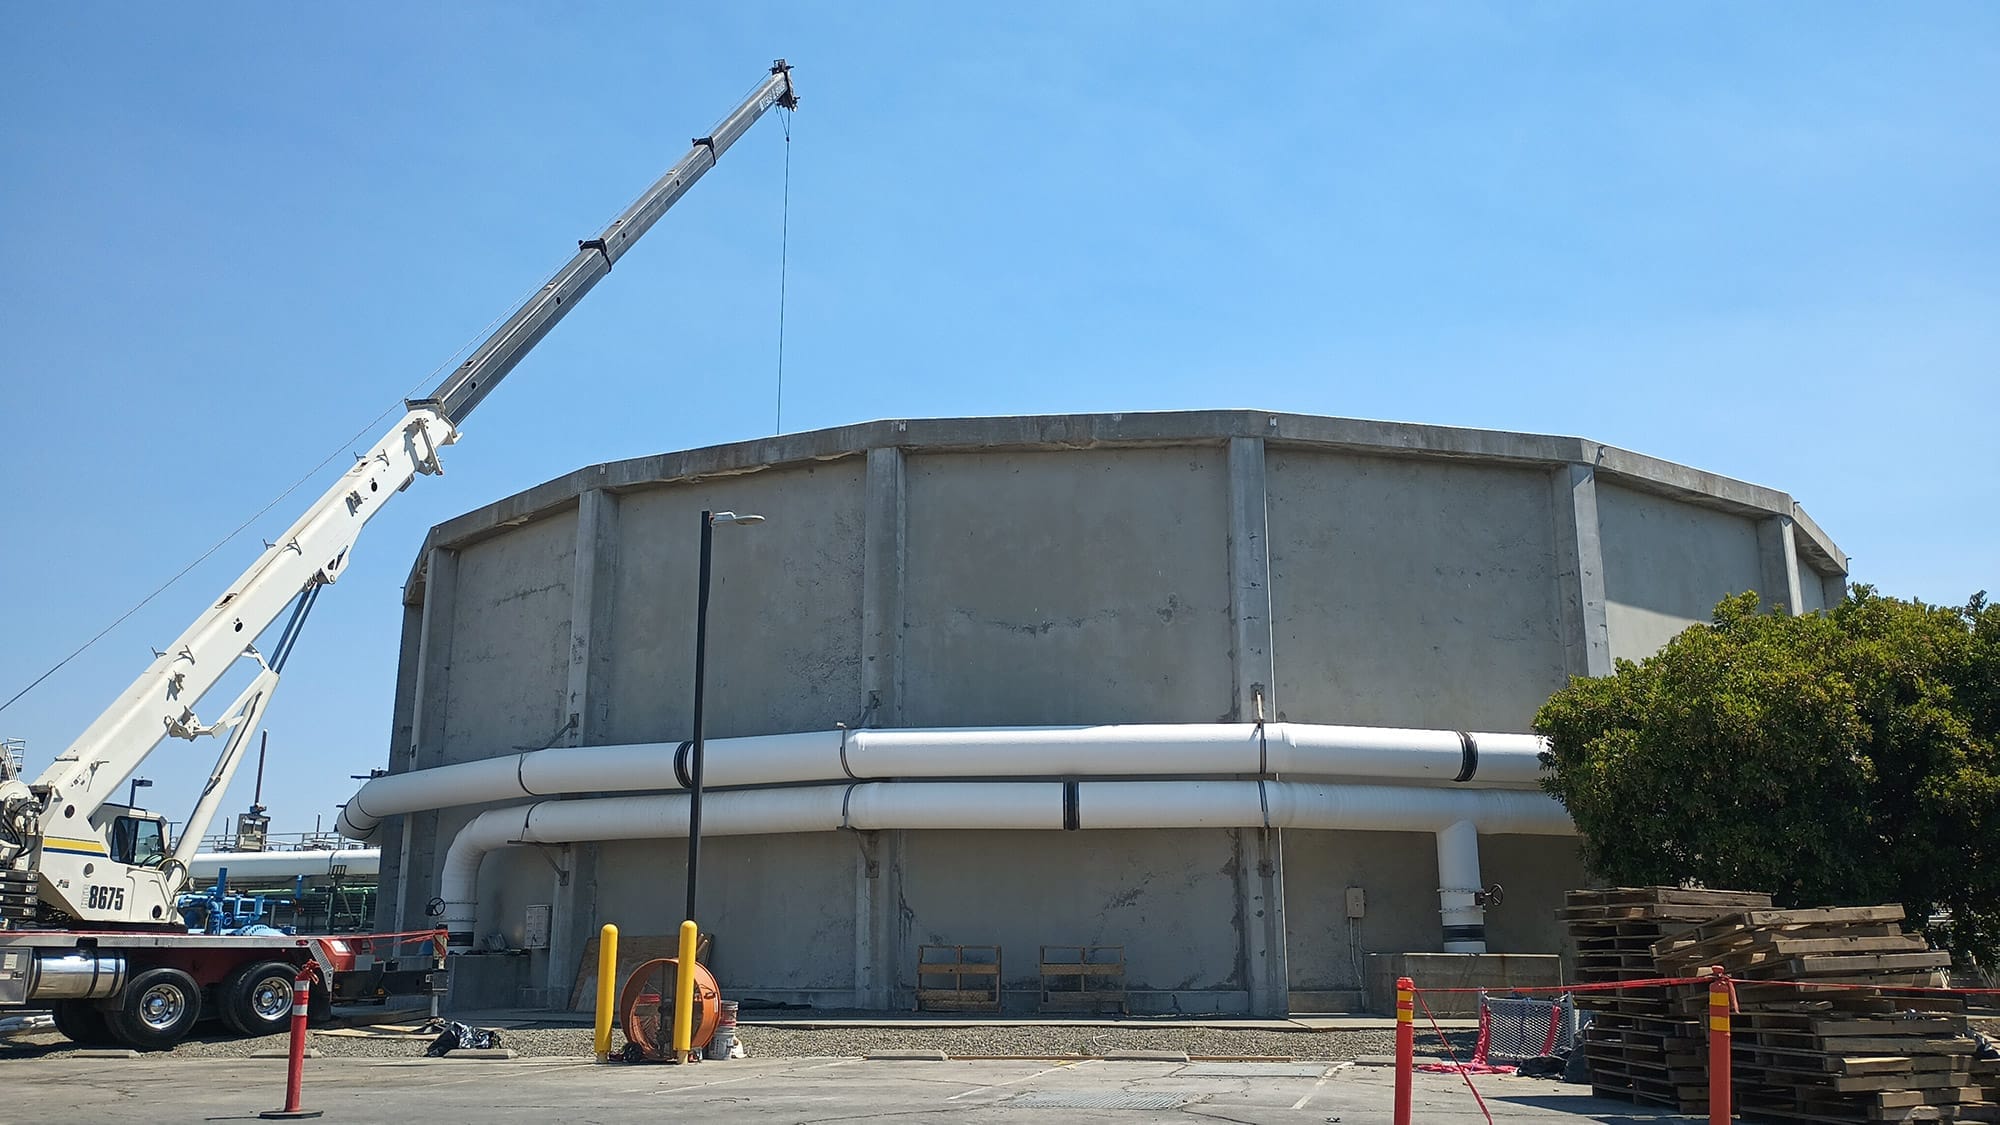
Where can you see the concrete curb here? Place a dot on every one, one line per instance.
(106, 1053)
(1146, 1056)
(907, 1056)
(311, 1053)
(501, 1054)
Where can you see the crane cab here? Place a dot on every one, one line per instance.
(108, 869)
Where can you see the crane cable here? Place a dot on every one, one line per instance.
(783, 258)
(784, 261)
(275, 501)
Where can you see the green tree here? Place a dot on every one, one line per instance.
(1847, 757)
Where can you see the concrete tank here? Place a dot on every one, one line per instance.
(1087, 569)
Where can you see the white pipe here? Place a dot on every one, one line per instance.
(248, 867)
(986, 805)
(1425, 757)
(1458, 888)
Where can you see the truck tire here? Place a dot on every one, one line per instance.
(159, 1008)
(82, 1023)
(257, 998)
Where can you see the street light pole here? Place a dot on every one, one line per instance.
(700, 675)
(689, 936)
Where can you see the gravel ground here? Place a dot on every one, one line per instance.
(779, 1041)
(792, 1042)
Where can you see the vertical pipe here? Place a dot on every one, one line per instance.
(1719, 1095)
(684, 994)
(1458, 884)
(1406, 1045)
(607, 969)
(257, 797)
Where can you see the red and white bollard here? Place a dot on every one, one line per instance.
(295, 1078)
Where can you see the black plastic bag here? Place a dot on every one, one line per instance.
(1543, 1066)
(455, 1036)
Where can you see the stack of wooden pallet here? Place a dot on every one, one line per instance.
(1645, 1044)
(1871, 1052)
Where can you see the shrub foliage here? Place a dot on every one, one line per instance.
(1846, 757)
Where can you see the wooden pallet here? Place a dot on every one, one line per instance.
(958, 963)
(1645, 1044)
(1083, 978)
(1816, 1061)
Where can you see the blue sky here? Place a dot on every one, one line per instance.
(1759, 239)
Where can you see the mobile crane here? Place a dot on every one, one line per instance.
(88, 885)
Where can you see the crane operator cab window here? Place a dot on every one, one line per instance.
(138, 841)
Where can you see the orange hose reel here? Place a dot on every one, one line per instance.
(646, 1008)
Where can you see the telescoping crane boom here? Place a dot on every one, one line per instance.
(108, 865)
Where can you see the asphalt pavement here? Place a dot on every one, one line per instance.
(161, 1090)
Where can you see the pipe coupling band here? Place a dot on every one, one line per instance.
(681, 765)
(1469, 761)
(844, 767)
(1071, 821)
(1465, 933)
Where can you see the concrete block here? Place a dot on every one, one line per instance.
(1495, 972)
(485, 981)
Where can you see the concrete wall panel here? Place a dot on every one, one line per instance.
(784, 606)
(1397, 873)
(1812, 590)
(1535, 871)
(781, 907)
(1080, 587)
(1666, 564)
(1168, 897)
(1412, 593)
(510, 642)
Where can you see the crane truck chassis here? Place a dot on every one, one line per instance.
(89, 888)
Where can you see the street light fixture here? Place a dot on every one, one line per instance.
(132, 795)
(684, 976)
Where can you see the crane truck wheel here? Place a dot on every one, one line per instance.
(257, 999)
(159, 1008)
(82, 1023)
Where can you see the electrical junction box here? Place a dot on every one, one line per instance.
(1357, 902)
(536, 927)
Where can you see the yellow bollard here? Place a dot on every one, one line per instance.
(684, 994)
(607, 987)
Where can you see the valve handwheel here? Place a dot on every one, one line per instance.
(646, 1008)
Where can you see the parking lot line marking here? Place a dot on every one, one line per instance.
(1301, 1103)
(1023, 1078)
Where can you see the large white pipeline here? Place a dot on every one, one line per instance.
(1423, 757)
(252, 867)
(1454, 814)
